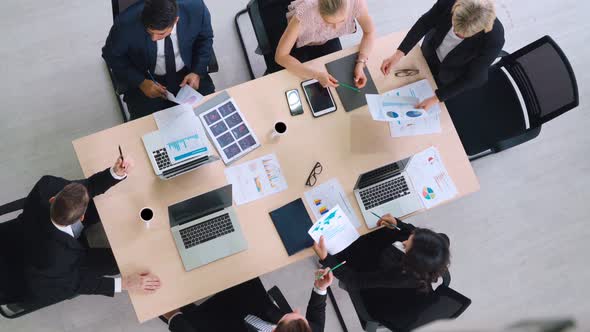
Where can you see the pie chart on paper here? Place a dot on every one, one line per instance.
(392, 115)
(414, 114)
(428, 193)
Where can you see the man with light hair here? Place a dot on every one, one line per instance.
(462, 38)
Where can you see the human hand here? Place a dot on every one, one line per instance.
(193, 80)
(152, 89)
(326, 80)
(141, 282)
(360, 80)
(391, 62)
(428, 103)
(387, 220)
(325, 281)
(320, 248)
(123, 167)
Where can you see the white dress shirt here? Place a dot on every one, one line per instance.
(161, 57)
(450, 41)
(68, 230)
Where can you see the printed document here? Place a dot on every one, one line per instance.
(430, 178)
(324, 197)
(337, 230)
(187, 95)
(256, 179)
(390, 108)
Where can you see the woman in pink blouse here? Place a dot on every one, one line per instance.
(313, 31)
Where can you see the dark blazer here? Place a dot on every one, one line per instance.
(52, 256)
(373, 262)
(130, 51)
(466, 66)
(315, 315)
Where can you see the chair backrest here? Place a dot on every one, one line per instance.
(405, 309)
(269, 21)
(11, 261)
(120, 5)
(545, 79)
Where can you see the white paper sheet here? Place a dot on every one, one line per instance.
(186, 95)
(390, 108)
(256, 179)
(416, 122)
(430, 178)
(337, 230)
(181, 132)
(327, 195)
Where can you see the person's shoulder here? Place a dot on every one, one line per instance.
(302, 8)
(191, 5)
(495, 38)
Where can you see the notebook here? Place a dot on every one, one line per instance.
(292, 223)
(343, 70)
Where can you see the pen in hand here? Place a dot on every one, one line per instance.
(387, 225)
(121, 155)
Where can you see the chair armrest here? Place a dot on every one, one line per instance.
(12, 206)
(446, 278)
(213, 66)
(278, 297)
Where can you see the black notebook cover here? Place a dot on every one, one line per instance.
(343, 70)
(292, 223)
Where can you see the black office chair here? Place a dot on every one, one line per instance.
(403, 310)
(119, 6)
(491, 118)
(12, 285)
(269, 21)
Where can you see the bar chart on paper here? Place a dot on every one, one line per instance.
(185, 147)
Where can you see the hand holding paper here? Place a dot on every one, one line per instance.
(336, 230)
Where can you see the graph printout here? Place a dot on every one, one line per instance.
(336, 229)
(181, 131)
(327, 195)
(256, 179)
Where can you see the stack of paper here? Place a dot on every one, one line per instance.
(181, 132)
(326, 196)
(430, 178)
(256, 179)
(397, 107)
(336, 229)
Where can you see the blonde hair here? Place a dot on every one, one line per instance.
(473, 16)
(330, 7)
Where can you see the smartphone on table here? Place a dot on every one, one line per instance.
(294, 101)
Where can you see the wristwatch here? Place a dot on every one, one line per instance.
(363, 61)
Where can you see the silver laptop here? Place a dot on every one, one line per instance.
(387, 189)
(161, 163)
(205, 228)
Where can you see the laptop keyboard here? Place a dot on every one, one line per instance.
(384, 192)
(162, 159)
(206, 231)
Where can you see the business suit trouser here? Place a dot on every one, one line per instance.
(139, 105)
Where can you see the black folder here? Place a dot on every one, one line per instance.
(343, 70)
(292, 223)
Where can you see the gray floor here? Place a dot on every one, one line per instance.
(519, 245)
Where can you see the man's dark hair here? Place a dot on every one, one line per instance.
(159, 14)
(69, 205)
(297, 325)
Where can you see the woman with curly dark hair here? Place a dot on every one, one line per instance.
(396, 256)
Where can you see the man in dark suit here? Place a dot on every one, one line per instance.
(59, 264)
(462, 38)
(247, 307)
(158, 46)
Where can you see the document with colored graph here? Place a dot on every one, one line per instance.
(256, 179)
(326, 196)
(337, 230)
(430, 178)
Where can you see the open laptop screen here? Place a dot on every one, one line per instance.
(200, 206)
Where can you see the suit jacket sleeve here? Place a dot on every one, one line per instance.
(99, 183)
(115, 54)
(179, 323)
(203, 44)
(93, 285)
(424, 24)
(477, 72)
(316, 312)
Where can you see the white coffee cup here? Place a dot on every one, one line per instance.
(279, 129)
(146, 215)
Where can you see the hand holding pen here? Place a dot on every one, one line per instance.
(123, 164)
(387, 220)
(151, 88)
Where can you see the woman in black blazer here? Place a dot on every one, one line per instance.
(408, 257)
(462, 38)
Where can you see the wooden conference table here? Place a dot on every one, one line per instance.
(346, 144)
